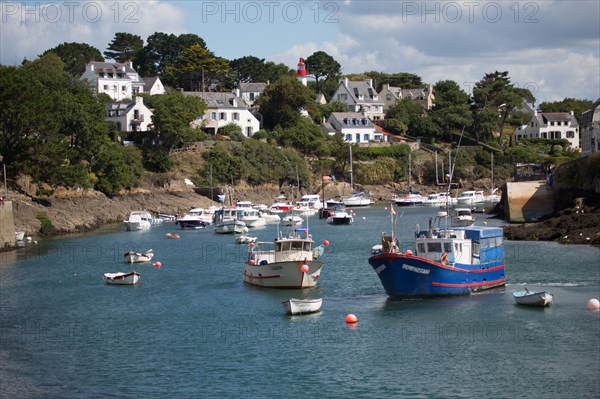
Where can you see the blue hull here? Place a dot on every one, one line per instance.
(406, 276)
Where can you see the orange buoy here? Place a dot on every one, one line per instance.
(157, 264)
(326, 242)
(351, 318)
(304, 268)
(251, 261)
(593, 304)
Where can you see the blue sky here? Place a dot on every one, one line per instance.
(551, 47)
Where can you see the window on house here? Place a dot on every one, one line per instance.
(348, 137)
(223, 116)
(570, 134)
(123, 89)
(377, 137)
(251, 96)
(345, 121)
(557, 135)
(105, 87)
(388, 97)
(365, 121)
(366, 137)
(342, 96)
(110, 75)
(249, 131)
(213, 116)
(236, 116)
(531, 124)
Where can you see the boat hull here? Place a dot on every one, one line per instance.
(405, 276)
(539, 299)
(340, 220)
(231, 227)
(122, 278)
(283, 274)
(295, 306)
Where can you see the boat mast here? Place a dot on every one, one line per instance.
(351, 172)
(409, 172)
(492, 182)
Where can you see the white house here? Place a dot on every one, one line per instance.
(423, 96)
(355, 127)
(119, 80)
(153, 85)
(129, 117)
(360, 97)
(223, 109)
(249, 92)
(590, 129)
(551, 125)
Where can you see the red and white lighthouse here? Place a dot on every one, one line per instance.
(301, 73)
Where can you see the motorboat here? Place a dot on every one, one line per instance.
(295, 306)
(339, 216)
(287, 262)
(138, 257)
(197, 218)
(270, 218)
(138, 220)
(533, 298)
(470, 197)
(227, 222)
(439, 199)
(410, 199)
(357, 199)
(244, 239)
(310, 201)
(251, 217)
(462, 217)
(292, 220)
(121, 278)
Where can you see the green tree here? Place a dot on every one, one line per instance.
(75, 56)
(451, 110)
(404, 80)
(163, 50)
(322, 65)
(248, 69)
(198, 69)
(304, 136)
(274, 72)
(281, 102)
(124, 47)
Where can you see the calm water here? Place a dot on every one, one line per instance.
(192, 328)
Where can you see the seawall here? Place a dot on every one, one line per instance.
(528, 200)
(7, 226)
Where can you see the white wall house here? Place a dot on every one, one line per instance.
(129, 117)
(423, 96)
(119, 80)
(223, 109)
(355, 127)
(360, 97)
(153, 85)
(249, 92)
(590, 129)
(551, 125)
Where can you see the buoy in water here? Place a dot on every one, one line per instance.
(157, 264)
(304, 268)
(326, 242)
(593, 304)
(364, 218)
(351, 318)
(251, 261)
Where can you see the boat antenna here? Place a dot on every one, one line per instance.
(452, 166)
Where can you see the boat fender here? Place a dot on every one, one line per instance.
(444, 258)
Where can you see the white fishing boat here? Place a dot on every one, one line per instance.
(138, 257)
(121, 278)
(295, 306)
(227, 222)
(251, 217)
(533, 298)
(438, 199)
(357, 199)
(340, 216)
(287, 262)
(270, 218)
(410, 199)
(470, 197)
(197, 218)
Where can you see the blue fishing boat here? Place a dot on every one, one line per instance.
(448, 261)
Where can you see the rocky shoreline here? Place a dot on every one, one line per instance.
(79, 211)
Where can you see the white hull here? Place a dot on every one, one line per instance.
(530, 298)
(122, 278)
(283, 274)
(271, 218)
(136, 226)
(231, 227)
(136, 257)
(258, 222)
(357, 201)
(292, 220)
(20, 235)
(302, 306)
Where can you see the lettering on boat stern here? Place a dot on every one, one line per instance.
(380, 269)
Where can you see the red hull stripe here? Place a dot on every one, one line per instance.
(437, 264)
(467, 285)
(262, 277)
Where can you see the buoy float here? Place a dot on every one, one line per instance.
(593, 304)
(304, 268)
(364, 218)
(326, 242)
(251, 244)
(251, 261)
(157, 264)
(351, 318)
(408, 252)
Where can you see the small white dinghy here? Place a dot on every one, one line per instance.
(121, 278)
(533, 298)
(137, 257)
(244, 239)
(301, 306)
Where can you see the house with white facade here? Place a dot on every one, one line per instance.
(551, 125)
(355, 127)
(590, 129)
(223, 109)
(153, 86)
(119, 80)
(249, 92)
(423, 96)
(129, 117)
(360, 97)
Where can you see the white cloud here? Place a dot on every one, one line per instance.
(28, 30)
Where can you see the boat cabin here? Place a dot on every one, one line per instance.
(473, 245)
(282, 250)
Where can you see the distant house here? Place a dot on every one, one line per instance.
(119, 80)
(355, 127)
(590, 129)
(223, 109)
(390, 94)
(153, 86)
(249, 92)
(551, 125)
(360, 97)
(129, 117)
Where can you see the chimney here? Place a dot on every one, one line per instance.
(130, 64)
(369, 82)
